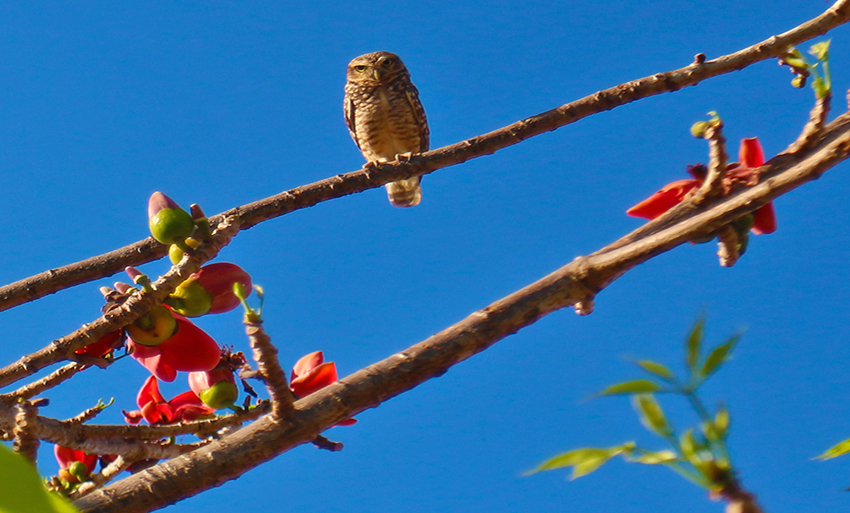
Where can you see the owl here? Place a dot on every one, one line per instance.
(385, 117)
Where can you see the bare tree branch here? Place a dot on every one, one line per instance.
(341, 185)
(261, 441)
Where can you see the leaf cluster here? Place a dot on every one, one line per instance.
(698, 453)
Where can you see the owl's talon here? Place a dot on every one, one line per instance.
(404, 157)
(372, 164)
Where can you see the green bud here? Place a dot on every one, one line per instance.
(698, 129)
(154, 328)
(190, 299)
(79, 470)
(799, 81)
(169, 224)
(172, 225)
(221, 395)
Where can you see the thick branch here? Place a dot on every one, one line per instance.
(220, 461)
(305, 196)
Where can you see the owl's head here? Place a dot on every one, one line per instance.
(375, 68)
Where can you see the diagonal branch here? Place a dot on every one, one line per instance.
(119, 317)
(54, 280)
(227, 459)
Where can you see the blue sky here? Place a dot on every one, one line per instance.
(228, 102)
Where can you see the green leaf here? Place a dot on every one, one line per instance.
(572, 458)
(796, 62)
(638, 386)
(821, 88)
(820, 50)
(657, 369)
(835, 451)
(586, 467)
(692, 344)
(719, 355)
(655, 458)
(651, 414)
(21, 489)
(688, 445)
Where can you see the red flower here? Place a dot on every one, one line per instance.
(189, 349)
(751, 156)
(103, 346)
(156, 410)
(74, 466)
(312, 373)
(210, 290)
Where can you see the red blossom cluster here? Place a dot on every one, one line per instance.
(750, 157)
(165, 342)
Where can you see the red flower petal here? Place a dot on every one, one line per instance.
(347, 422)
(132, 417)
(671, 195)
(765, 220)
(189, 349)
(307, 363)
(66, 457)
(103, 346)
(149, 393)
(750, 153)
(218, 280)
(201, 381)
(154, 413)
(187, 407)
(315, 379)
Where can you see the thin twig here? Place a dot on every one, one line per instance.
(268, 367)
(817, 120)
(718, 160)
(99, 479)
(728, 242)
(88, 414)
(46, 383)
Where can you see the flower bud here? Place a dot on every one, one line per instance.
(698, 129)
(175, 252)
(79, 470)
(218, 280)
(169, 224)
(215, 388)
(220, 395)
(154, 328)
(750, 153)
(799, 82)
(190, 299)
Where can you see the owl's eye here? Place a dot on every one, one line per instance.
(359, 69)
(387, 63)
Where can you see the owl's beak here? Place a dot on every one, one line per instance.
(377, 74)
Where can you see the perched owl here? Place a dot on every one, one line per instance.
(385, 117)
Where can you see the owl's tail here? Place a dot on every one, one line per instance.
(405, 193)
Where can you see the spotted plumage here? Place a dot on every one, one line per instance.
(385, 117)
